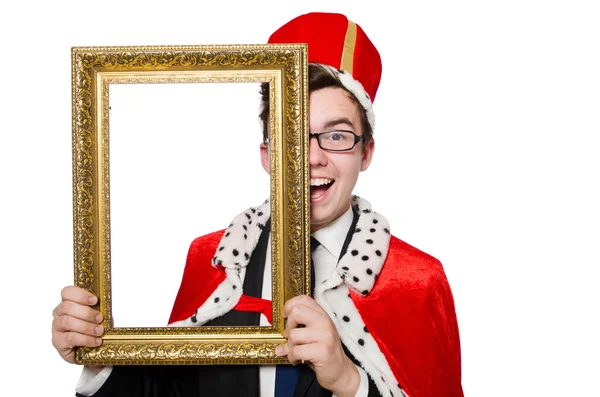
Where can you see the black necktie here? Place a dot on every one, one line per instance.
(286, 376)
(314, 243)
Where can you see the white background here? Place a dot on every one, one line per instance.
(180, 167)
(488, 118)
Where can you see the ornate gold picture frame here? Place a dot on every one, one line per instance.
(94, 71)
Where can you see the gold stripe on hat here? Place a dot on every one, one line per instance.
(348, 52)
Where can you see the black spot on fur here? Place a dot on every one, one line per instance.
(354, 252)
(346, 319)
(369, 241)
(217, 300)
(357, 230)
(369, 272)
(361, 342)
(356, 279)
(235, 252)
(378, 253)
(365, 258)
(375, 221)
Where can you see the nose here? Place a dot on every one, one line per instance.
(316, 155)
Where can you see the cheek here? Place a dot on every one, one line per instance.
(348, 167)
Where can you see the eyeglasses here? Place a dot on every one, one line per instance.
(337, 140)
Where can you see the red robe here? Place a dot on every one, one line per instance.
(409, 313)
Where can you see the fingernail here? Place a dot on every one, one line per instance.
(99, 318)
(99, 330)
(279, 350)
(93, 300)
(98, 341)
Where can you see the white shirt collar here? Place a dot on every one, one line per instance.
(332, 236)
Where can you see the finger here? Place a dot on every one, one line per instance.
(282, 350)
(76, 310)
(67, 341)
(302, 336)
(78, 295)
(303, 300)
(67, 324)
(303, 353)
(301, 315)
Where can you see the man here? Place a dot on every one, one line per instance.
(382, 320)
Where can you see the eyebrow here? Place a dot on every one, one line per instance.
(338, 121)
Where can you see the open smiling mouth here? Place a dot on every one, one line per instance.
(318, 186)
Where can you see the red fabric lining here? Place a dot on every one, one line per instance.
(253, 304)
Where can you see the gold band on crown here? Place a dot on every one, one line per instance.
(348, 52)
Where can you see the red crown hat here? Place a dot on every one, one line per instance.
(335, 41)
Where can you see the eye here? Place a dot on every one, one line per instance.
(337, 136)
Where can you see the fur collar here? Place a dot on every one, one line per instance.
(358, 267)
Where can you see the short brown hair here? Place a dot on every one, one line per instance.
(318, 77)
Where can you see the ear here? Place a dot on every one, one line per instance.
(265, 158)
(367, 155)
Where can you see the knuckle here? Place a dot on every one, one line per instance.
(55, 340)
(293, 337)
(70, 339)
(304, 299)
(65, 292)
(63, 323)
(90, 329)
(66, 306)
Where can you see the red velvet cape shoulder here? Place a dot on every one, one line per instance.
(410, 313)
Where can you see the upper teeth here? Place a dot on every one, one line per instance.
(320, 181)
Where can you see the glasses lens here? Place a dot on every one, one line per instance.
(337, 140)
